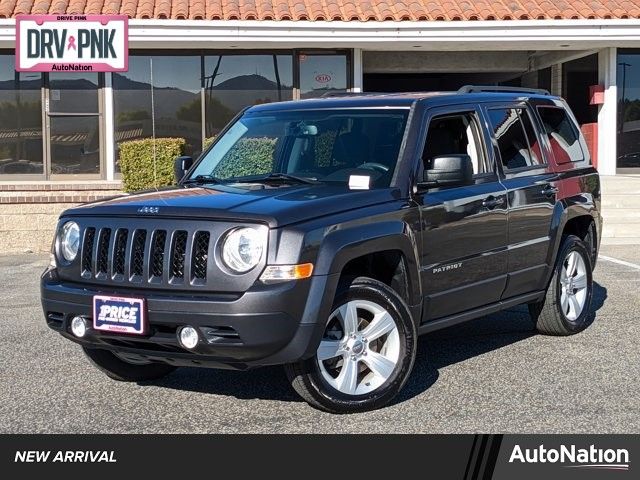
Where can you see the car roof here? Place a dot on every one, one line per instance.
(400, 100)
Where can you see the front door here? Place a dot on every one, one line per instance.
(464, 229)
(73, 120)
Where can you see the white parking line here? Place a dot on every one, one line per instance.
(619, 262)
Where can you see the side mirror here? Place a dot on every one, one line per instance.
(180, 167)
(448, 171)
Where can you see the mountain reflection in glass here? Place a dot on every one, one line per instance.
(232, 82)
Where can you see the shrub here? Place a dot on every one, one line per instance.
(137, 164)
(323, 148)
(207, 142)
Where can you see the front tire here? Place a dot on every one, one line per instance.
(122, 371)
(566, 308)
(366, 353)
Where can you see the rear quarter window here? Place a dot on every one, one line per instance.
(563, 134)
(516, 140)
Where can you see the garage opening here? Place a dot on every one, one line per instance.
(432, 82)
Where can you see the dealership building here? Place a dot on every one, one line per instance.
(193, 65)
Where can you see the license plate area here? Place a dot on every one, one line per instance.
(119, 314)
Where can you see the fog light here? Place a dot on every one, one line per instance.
(79, 327)
(188, 337)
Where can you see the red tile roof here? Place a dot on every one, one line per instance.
(338, 10)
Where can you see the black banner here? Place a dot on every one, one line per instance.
(460, 457)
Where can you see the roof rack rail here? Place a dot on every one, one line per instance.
(350, 94)
(498, 89)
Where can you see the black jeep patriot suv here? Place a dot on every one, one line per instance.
(327, 234)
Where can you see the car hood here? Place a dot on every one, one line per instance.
(275, 206)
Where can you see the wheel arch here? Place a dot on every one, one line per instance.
(573, 219)
(382, 250)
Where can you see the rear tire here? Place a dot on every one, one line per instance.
(117, 369)
(591, 240)
(366, 354)
(566, 308)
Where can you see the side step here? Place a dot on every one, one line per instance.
(451, 320)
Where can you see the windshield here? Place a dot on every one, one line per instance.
(318, 145)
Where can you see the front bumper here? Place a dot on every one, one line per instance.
(267, 325)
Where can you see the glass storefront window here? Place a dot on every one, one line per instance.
(628, 108)
(187, 96)
(74, 138)
(174, 84)
(73, 92)
(322, 73)
(20, 120)
(232, 82)
(225, 82)
(75, 145)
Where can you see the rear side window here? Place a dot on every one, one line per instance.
(512, 128)
(563, 134)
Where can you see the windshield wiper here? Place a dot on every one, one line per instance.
(278, 176)
(202, 180)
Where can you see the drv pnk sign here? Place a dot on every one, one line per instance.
(72, 43)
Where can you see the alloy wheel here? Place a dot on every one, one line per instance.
(573, 285)
(360, 347)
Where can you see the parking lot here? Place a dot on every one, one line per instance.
(490, 375)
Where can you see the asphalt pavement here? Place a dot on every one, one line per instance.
(492, 375)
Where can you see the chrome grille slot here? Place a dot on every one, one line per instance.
(137, 254)
(157, 253)
(119, 249)
(178, 252)
(87, 251)
(200, 255)
(103, 251)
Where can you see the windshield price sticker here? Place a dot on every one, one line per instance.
(359, 182)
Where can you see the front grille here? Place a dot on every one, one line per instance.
(146, 255)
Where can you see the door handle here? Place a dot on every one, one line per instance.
(492, 202)
(549, 190)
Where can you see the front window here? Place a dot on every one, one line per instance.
(319, 146)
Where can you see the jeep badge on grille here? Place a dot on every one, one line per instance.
(148, 209)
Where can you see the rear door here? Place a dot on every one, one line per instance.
(464, 229)
(531, 190)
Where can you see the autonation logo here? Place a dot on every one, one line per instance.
(574, 457)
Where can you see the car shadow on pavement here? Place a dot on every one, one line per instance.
(477, 337)
(435, 351)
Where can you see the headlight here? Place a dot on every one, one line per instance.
(242, 248)
(69, 241)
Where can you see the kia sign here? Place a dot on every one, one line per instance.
(323, 78)
(76, 43)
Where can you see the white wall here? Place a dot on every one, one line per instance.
(608, 113)
(109, 128)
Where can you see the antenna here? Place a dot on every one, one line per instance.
(153, 128)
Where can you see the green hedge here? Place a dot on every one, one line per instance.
(137, 165)
(207, 142)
